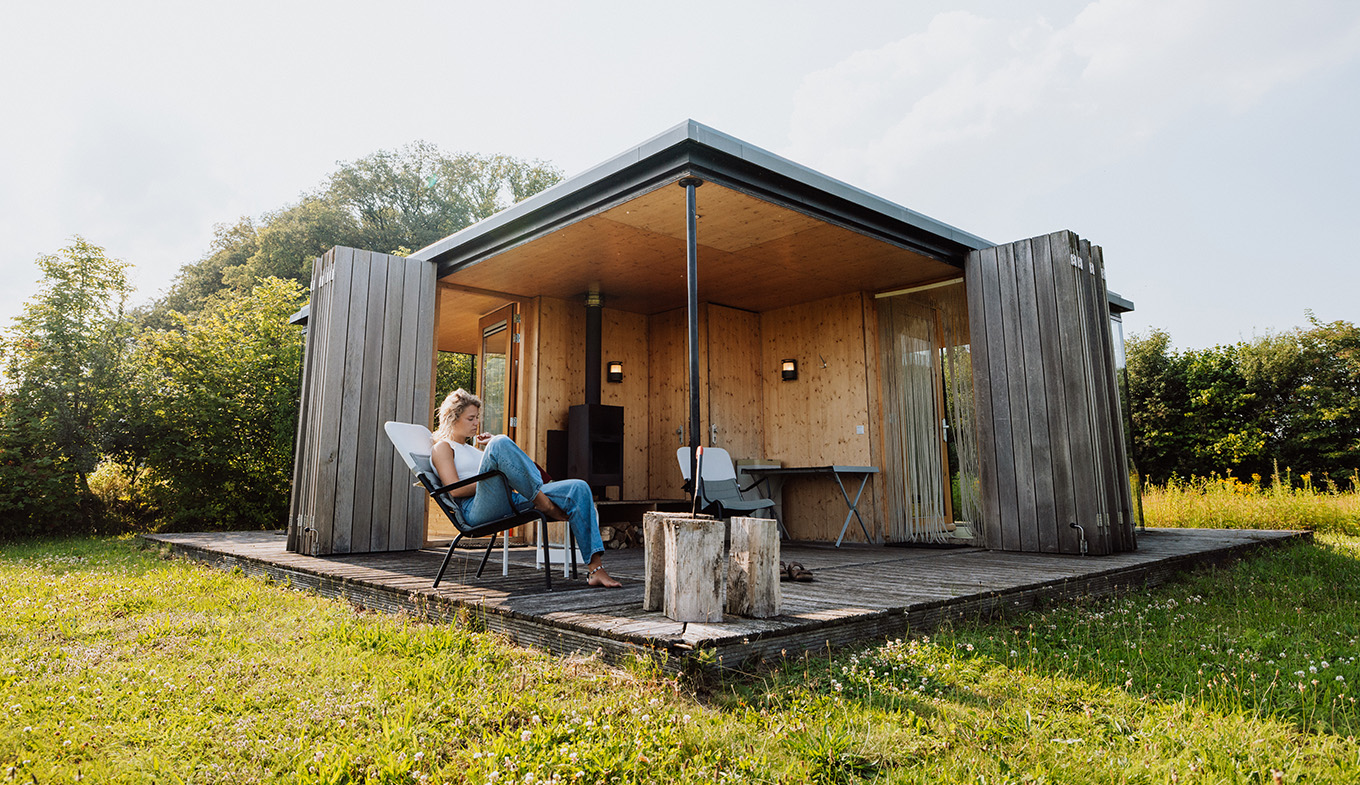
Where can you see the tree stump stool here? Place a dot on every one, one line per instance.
(694, 570)
(654, 557)
(753, 568)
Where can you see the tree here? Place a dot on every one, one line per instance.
(64, 364)
(1289, 399)
(391, 201)
(222, 410)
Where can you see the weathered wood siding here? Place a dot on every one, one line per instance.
(1050, 441)
(369, 359)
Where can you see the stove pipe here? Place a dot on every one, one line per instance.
(594, 339)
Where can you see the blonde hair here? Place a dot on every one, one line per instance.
(451, 409)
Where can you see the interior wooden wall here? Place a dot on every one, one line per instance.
(813, 421)
(556, 331)
(668, 391)
(735, 400)
(729, 370)
(624, 337)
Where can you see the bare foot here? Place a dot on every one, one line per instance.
(598, 577)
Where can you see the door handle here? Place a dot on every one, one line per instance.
(713, 435)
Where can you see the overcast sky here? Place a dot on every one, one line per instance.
(1209, 146)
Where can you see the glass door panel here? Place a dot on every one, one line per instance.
(497, 364)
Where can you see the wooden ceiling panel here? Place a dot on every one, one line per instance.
(753, 255)
(728, 220)
(456, 315)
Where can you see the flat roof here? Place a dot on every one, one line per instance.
(691, 148)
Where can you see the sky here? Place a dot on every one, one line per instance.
(1208, 146)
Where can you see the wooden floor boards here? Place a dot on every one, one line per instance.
(860, 592)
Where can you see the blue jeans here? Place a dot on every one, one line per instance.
(573, 496)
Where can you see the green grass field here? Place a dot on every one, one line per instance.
(118, 664)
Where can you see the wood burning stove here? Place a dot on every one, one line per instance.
(595, 431)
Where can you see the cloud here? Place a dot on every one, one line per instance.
(970, 96)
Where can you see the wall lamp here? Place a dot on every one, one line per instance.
(614, 371)
(788, 370)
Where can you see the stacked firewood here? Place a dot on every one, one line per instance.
(621, 534)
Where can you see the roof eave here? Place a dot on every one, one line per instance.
(694, 149)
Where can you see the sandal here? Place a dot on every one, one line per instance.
(796, 572)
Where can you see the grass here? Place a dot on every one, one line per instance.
(119, 664)
(1230, 502)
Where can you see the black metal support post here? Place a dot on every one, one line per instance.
(692, 278)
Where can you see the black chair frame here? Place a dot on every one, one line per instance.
(493, 528)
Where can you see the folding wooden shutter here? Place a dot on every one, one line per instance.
(369, 359)
(1050, 438)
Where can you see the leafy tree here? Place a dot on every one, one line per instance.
(390, 201)
(64, 364)
(454, 370)
(222, 410)
(1289, 399)
(232, 246)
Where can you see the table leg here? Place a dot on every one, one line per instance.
(774, 489)
(854, 508)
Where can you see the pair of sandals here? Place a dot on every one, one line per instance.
(793, 571)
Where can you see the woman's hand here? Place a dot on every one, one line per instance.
(479, 441)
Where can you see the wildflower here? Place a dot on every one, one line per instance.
(526, 735)
(1340, 678)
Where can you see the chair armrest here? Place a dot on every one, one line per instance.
(505, 484)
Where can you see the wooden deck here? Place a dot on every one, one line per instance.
(860, 592)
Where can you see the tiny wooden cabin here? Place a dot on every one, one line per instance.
(978, 379)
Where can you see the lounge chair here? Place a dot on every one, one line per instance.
(720, 495)
(413, 443)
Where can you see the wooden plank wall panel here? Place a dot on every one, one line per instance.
(1003, 527)
(423, 396)
(1050, 438)
(1021, 532)
(668, 392)
(1124, 494)
(813, 421)
(332, 400)
(1086, 294)
(1044, 534)
(1046, 267)
(397, 473)
(624, 338)
(407, 370)
(370, 427)
(342, 529)
(370, 360)
(1075, 390)
(979, 318)
(301, 452)
(735, 400)
(561, 353)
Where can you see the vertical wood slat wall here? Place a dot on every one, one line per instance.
(1050, 440)
(369, 359)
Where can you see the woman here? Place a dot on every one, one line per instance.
(460, 421)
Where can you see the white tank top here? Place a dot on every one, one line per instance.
(467, 460)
